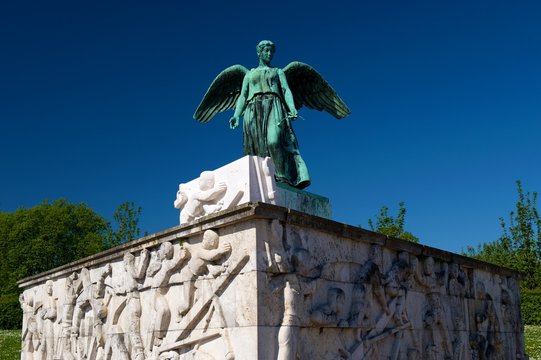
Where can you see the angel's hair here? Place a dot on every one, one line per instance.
(264, 43)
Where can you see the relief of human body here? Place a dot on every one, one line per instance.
(268, 99)
(90, 313)
(48, 316)
(71, 289)
(295, 287)
(379, 309)
(133, 275)
(30, 335)
(291, 321)
(511, 319)
(434, 317)
(166, 262)
(201, 263)
(195, 203)
(457, 287)
(368, 287)
(397, 284)
(329, 312)
(488, 341)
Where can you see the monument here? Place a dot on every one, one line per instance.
(258, 270)
(268, 99)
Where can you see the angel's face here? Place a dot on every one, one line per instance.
(266, 54)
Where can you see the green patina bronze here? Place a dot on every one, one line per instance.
(268, 99)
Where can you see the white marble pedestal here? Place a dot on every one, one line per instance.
(260, 281)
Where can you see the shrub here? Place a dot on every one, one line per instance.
(11, 314)
(531, 311)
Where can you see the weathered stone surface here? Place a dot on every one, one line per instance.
(248, 179)
(264, 282)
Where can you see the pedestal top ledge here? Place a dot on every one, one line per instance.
(258, 210)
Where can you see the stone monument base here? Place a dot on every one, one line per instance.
(249, 179)
(259, 281)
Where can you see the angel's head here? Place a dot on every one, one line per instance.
(265, 50)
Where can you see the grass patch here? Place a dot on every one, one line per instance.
(532, 336)
(10, 344)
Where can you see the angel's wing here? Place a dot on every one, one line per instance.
(222, 94)
(309, 88)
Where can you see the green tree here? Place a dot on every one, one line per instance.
(43, 237)
(519, 246)
(52, 234)
(392, 226)
(46, 236)
(127, 220)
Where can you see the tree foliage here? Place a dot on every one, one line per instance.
(392, 226)
(127, 221)
(11, 314)
(46, 236)
(40, 238)
(52, 234)
(519, 246)
(529, 304)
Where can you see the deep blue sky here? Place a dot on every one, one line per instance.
(97, 97)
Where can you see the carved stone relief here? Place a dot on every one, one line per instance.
(249, 179)
(324, 298)
(457, 287)
(30, 335)
(166, 261)
(48, 315)
(413, 308)
(202, 200)
(206, 275)
(98, 318)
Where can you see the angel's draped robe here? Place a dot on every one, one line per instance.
(267, 132)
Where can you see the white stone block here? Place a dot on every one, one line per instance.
(264, 283)
(247, 180)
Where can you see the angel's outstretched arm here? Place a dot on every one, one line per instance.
(241, 104)
(288, 95)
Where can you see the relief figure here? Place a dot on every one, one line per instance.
(71, 289)
(457, 291)
(166, 262)
(195, 203)
(30, 335)
(434, 317)
(133, 274)
(89, 315)
(48, 316)
(201, 263)
(296, 287)
(397, 283)
(367, 289)
(329, 312)
(487, 340)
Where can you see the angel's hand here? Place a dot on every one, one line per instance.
(292, 115)
(234, 122)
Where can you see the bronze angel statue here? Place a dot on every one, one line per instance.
(268, 99)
